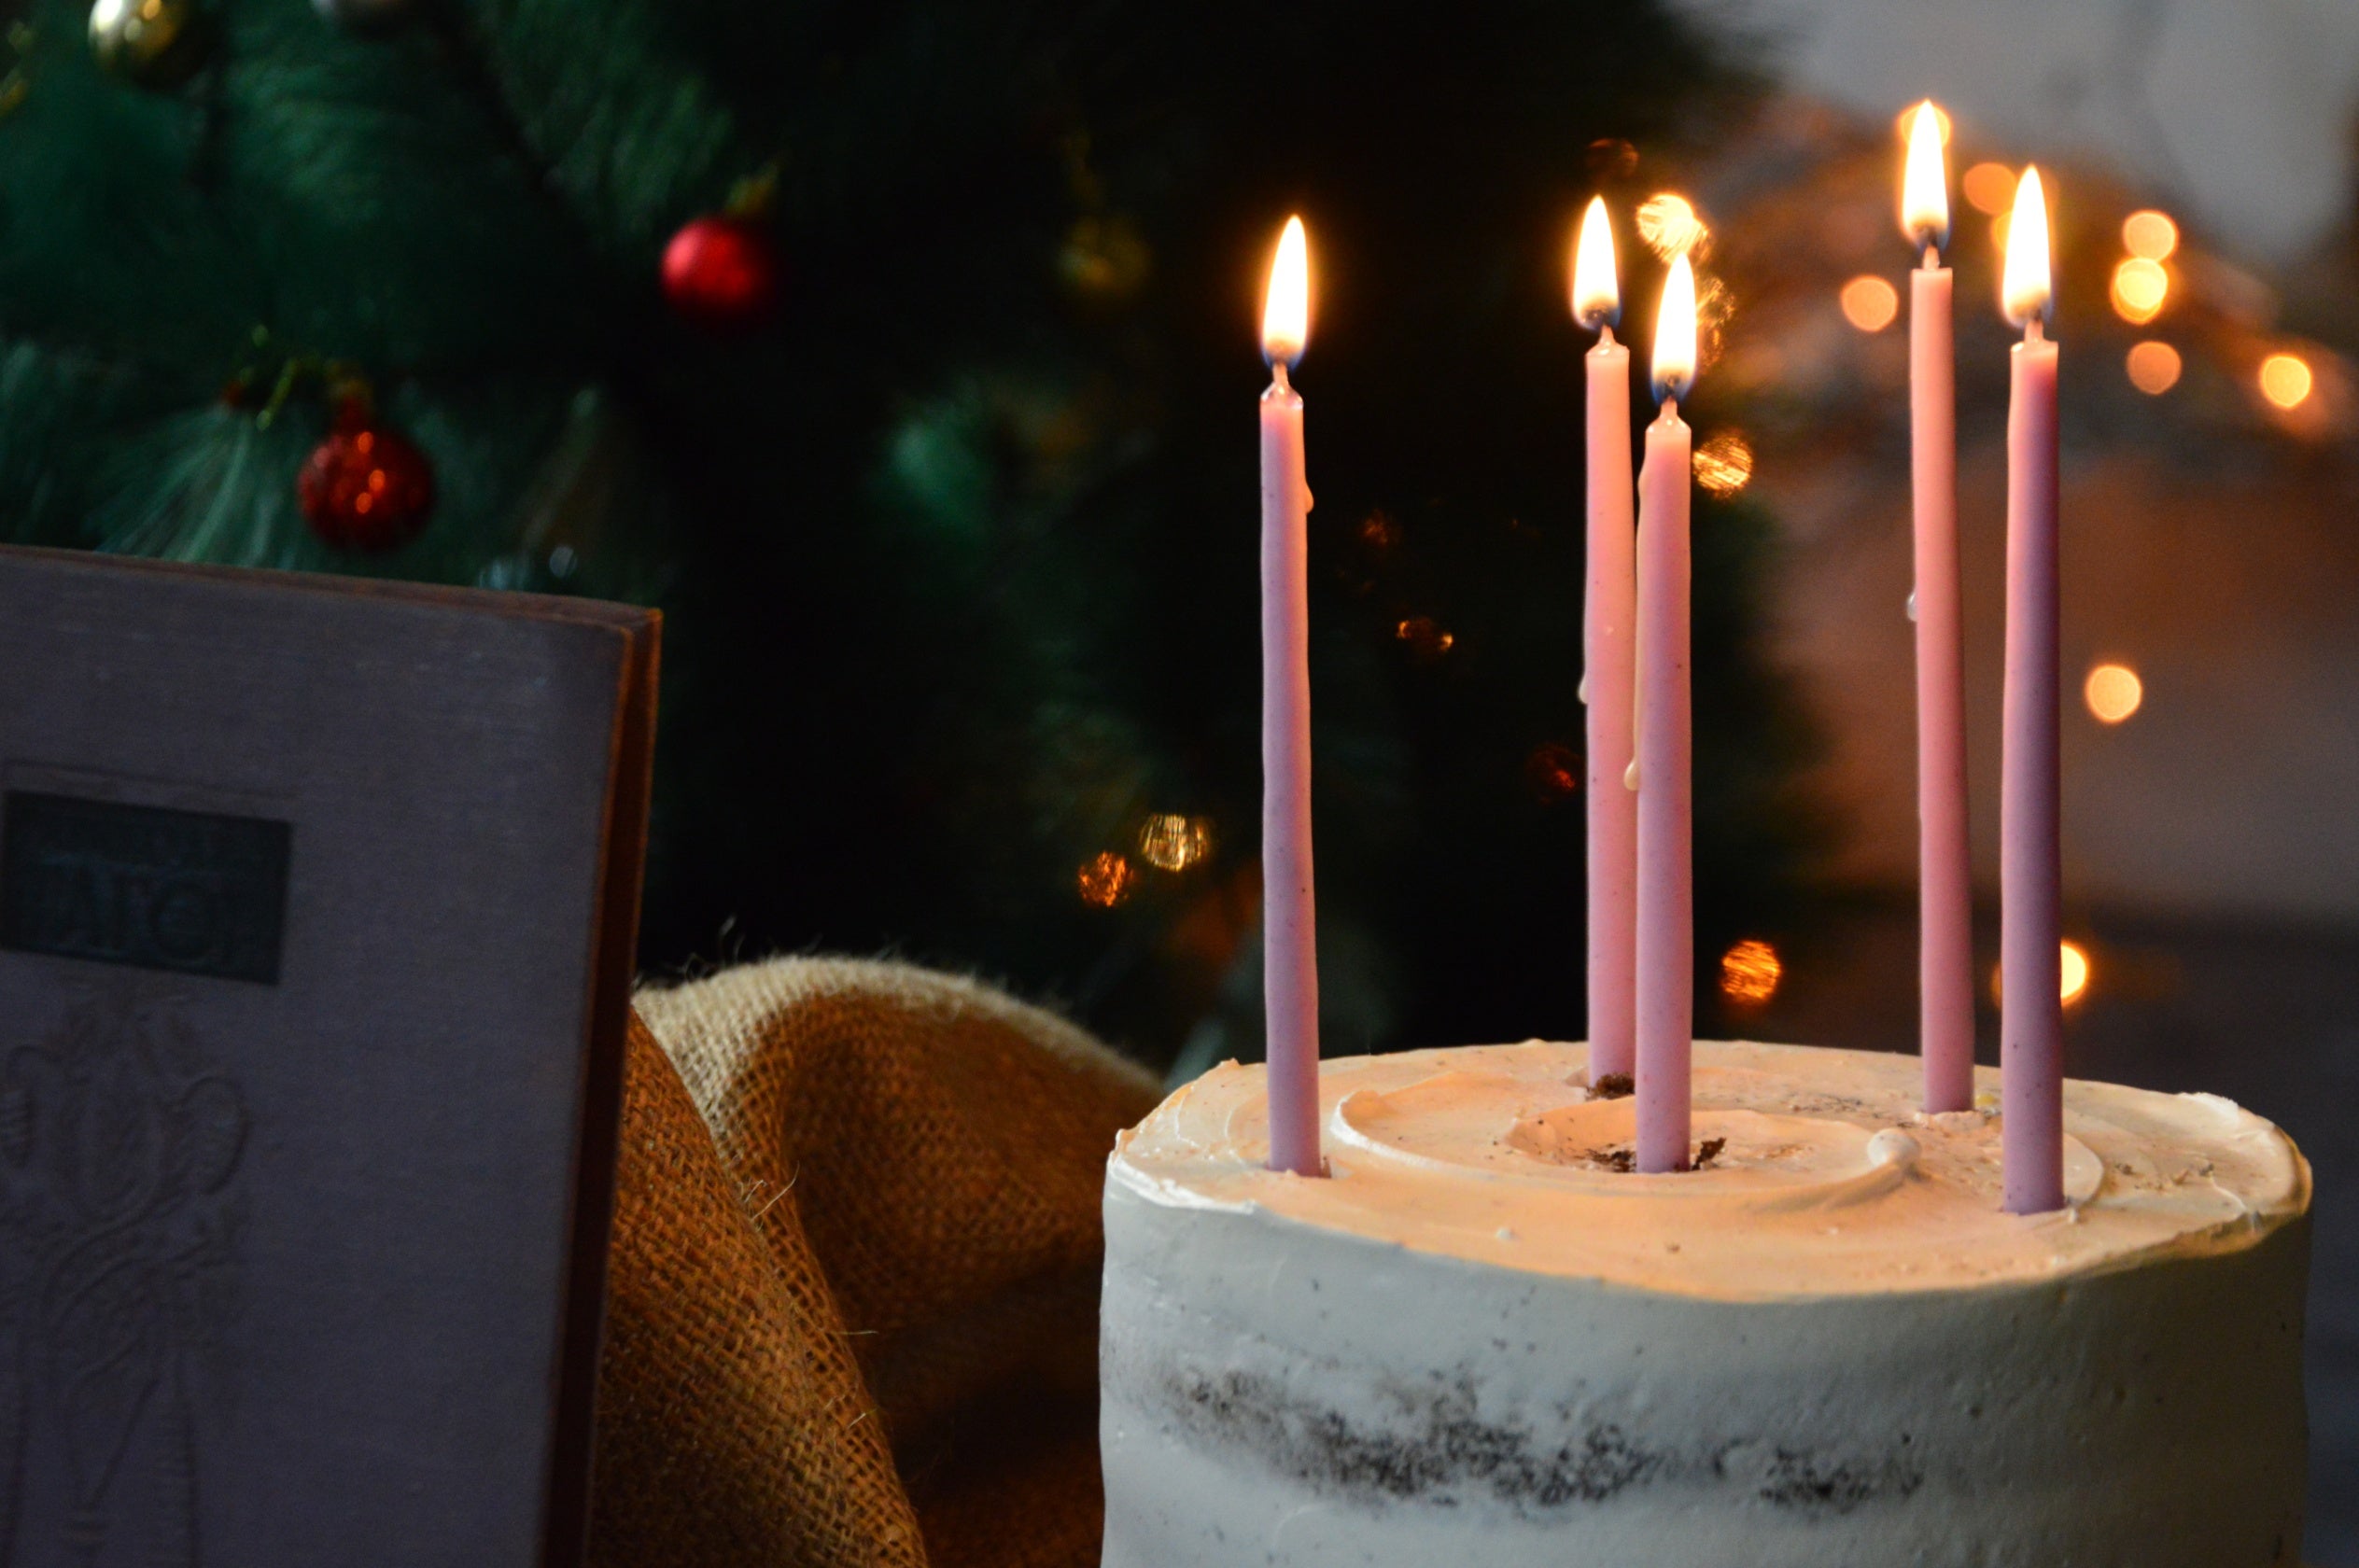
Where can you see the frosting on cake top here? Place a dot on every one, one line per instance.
(1822, 1177)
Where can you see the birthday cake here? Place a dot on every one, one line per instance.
(1485, 1341)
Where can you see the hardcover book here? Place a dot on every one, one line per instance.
(318, 901)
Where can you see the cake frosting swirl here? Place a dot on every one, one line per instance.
(1484, 1337)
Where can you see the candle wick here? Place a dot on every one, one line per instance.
(1931, 259)
(1604, 334)
(1278, 381)
(2033, 330)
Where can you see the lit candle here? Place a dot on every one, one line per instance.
(2030, 914)
(1666, 971)
(1290, 967)
(1606, 661)
(1946, 906)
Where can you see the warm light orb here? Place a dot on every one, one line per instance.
(2285, 379)
(2139, 287)
(2073, 977)
(1749, 973)
(1724, 463)
(2152, 367)
(2026, 292)
(1170, 841)
(2075, 968)
(1670, 226)
(1869, 302)
(2113, 693)
(1107, 880)
(1925, 183)
(1905, 124)
(1286, 307)
(1596, 282)
(2149, 235)
(1675, 333)
(1989, 188)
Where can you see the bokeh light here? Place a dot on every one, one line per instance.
(2113, 693)
(2074, 975)
(1669, 227)
(2075, 967)
(1724, 463)
(2152, 367)
(1553, 772)
(1427, 640)
(1106, 880)
(2285, 379)
(1610, 157)
(1990, 186)
(1906, 117)
(1869, 303)
(1749, 973)
(1170, 841)
(2139, 287)
(2149, 235)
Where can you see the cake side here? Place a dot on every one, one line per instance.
(1418, 1362)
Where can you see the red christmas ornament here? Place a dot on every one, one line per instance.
(366, 487)
(721, 272)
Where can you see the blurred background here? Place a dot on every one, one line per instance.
(905, 354)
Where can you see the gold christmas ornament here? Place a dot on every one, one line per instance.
(1173, 842)
(153, 44)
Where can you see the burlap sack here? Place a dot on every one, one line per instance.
(852, 1306)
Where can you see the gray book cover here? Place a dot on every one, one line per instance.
(316, 907)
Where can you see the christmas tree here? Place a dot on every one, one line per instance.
(904, 353)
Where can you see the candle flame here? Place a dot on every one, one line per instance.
(1675, 334)
(2027, 291)
(1285, 308)
(1596, 285)
(1924, 185)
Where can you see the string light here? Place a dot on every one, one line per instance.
(2149, 235)
(1106, 880)
(2075, 964)
(2139, 287)
(2075, 973)
(1724, 463)
(2152, 367)
(1908, 116)
(1989, 188)
(2285, 379)
(1749, 973)
(1669, 227)
(1170, 841)
(2113, 693)
(1869, 303)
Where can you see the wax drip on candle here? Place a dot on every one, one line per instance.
(1912, 606)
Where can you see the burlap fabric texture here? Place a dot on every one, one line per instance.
(852, 1295)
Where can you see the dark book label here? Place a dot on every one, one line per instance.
(192, 892)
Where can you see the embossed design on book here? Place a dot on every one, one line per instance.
(120, 1149)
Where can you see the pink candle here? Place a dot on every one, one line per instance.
(1945, 904)
(2030, 911)
(1290, 966)
(1666, 822)
(1607, 608)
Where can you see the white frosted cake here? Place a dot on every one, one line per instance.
(1480, 1345)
